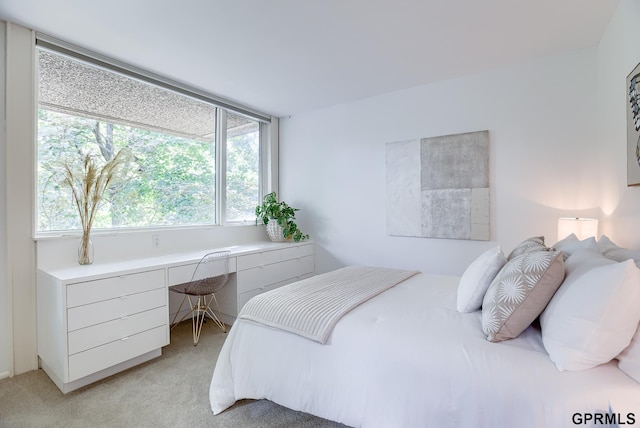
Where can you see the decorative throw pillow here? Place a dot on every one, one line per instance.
(619, 254)
(532, 244)
(520, 292)
(593, 316)
(571, 244)
(477, 277)
(629, 359)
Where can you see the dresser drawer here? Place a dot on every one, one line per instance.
(118, 351)
(259, 259)
(245, 297)
(297, 251)
(82, 293)
(181, 274)
(251, 279)
(296, 268)
(99, 334)
(107, 310)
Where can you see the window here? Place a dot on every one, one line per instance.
(176, 175)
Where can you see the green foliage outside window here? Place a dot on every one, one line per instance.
(171, 182)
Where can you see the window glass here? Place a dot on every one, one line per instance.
(170, 179)
(243, 172)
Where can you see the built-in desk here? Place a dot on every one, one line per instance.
(96, 320)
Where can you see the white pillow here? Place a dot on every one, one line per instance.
(593, 316)
(582, 260)
(571, 244)
(619, 254)
(477, 277)
(629, 359)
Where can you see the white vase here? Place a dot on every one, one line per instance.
(274, 230)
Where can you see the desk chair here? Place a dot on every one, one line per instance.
(210, 275)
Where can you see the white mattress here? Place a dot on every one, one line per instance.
(408, 358)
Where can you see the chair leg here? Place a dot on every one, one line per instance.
(200, 309)
(216, 318)
(173, 322)
(196, 322)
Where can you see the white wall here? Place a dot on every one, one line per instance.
(6, 365)
(543, 141)
(618, 54)
(20, 136)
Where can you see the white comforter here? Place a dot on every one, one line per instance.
(407, 358)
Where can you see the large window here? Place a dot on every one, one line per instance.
(188, 158)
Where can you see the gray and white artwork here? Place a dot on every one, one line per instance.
(438, 187)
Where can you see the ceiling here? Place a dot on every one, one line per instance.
(285, 57)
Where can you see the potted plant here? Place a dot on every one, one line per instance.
(279, 218)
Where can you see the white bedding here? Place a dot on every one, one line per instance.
(407, 358)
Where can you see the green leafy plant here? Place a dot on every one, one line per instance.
(285, 215)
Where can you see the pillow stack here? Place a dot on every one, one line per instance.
(585, 293)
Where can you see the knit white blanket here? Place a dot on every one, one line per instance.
(313, 306)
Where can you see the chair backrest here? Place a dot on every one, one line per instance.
(211, 273)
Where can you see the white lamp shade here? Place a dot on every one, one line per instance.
(582, 227)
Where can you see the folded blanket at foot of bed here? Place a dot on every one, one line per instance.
(312, 307)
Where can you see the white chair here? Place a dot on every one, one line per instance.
(210, 275)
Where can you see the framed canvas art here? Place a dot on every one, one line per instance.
(633, 127)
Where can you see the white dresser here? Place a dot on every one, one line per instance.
(91, 329)
(94, 321)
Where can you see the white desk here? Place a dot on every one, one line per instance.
(96, 320)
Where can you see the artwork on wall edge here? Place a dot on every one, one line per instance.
(633, 127)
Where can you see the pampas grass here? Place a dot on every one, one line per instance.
(87, 187)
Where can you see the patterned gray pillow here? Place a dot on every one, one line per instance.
(532, 244)
(520, 292)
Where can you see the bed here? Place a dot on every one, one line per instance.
(407, 357)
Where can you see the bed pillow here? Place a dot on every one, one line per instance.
(477, 277)
(520, 292)
(593, 316)
(581, 261)
(629, 359)
(571, 244)
(532, 244)
(619, 254)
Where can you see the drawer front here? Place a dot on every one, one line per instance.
(263, 258)
(296, 268)
(100, 334)
(251, 279)
(181, 274)
(102, 357)
(83, 293)
(296, 279)
(96, 313)
(297, 251)
(245, 297)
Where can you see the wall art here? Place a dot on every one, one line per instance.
(633, 127)
(438, 187)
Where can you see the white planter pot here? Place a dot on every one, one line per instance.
(274, 230)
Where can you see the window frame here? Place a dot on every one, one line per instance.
(268, 135)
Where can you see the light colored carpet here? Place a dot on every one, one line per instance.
(169, 391)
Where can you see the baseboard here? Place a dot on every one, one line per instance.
(4, 375)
